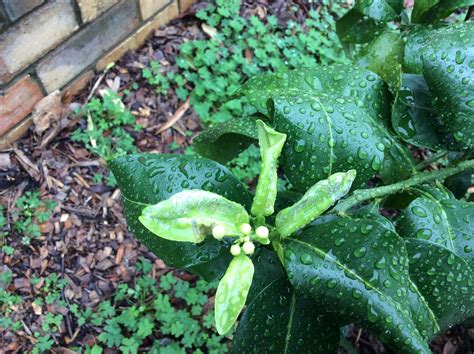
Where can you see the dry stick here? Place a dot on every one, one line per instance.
(362, 195)
(175, 117)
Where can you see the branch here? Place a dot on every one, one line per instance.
(362, 195)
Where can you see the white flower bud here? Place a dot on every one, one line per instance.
(235, 250)
(262, 232)
(246, 238)
(218, 232)
(246, 229)
(248, 247)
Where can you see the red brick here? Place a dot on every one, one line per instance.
(17, 102)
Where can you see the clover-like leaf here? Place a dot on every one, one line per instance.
(448, 68)
(190, 215)
(147, 179)
(271, 143)
(224, 141)
(426, 11)
(314, 202)
(232, 292)
(359, 269)
(446, 222)
(279, 320)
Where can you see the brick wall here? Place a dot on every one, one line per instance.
(49, 45)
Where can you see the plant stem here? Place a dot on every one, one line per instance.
(433, 158)
(362, 195)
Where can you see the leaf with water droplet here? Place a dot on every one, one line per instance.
(286, 321)
(445, 75)
(143, 181)
(224, 141)
(366, 20)
(446, 222)
(384, 56)
(381, 298)
(271, 143)
(190, 215)
(445, 280)
(232, 292)
(314, 202)
(431, 11)
(413, 115)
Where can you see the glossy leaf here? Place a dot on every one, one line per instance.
(445, 280)
(334, 120)
(190, 215)
(232, 292)
(448, 68)
(338, 81)
(364, 21)
(415, 38)
(359, 269)
(324, 136)
(224, 141)
(271, 143)
(460, 183)
(413, 116)
(279, 320)
(445, 222)
(426, 11)
(314, 202)
(384, 56)
(356, 28)
(147, 179)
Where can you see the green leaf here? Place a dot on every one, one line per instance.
(460, 183)
(271, 143)
(232, 292)
(359, 269)
(413, 116)
(226, 140)
(314, 202)
(426, 11)
(445, 280)
(338, 81)
(448, 68)
(335, 120)
(279, 320)
(445, 222)
(147, 179)
(384, 56)
(366, 19)
(415, 38)
(190, 215)
(356, 28)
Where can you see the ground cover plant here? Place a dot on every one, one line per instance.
(302, 263)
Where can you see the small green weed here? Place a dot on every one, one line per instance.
(30, 212)
(106, 135)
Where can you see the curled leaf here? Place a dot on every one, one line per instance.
(232, 292)
(271, 143)
(314, 202)
(189, 216)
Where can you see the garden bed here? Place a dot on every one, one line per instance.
(79, 275)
